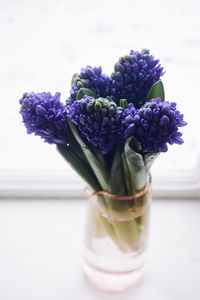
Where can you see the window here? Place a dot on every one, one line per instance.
(43, 45)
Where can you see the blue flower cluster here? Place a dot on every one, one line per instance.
(154, 125)
(44, 115)
(90, 78)
(134, 75)
(98, 121)
(101, 121)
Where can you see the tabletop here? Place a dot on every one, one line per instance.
(40, 251)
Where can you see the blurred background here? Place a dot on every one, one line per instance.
(43, 43)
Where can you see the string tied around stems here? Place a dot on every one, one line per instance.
(113, 215)
(110, 195)
(132, 197)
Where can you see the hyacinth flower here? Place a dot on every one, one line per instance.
(154, 125)
(134, 75)
(45, 116)
(98, 121)
(92, 79)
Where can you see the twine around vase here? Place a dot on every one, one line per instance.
(105, 193)
(135, 212)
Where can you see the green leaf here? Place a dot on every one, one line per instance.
(83, 91)
(98, 167)
(135, 145)
(116, 178)
(79, 166)
(136, 167)
(78, 151)
(149, 158)
(126, 175)
(123, 103)
(74, 78)
(156, 91)
(75, 146)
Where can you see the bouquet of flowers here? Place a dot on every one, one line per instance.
(110, 130)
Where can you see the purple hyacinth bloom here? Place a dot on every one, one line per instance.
(134, 75)
(97, 120)
(91, 78)
(154, 125)
(44, 115)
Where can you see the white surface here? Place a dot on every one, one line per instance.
(40, 243)
(44, 42)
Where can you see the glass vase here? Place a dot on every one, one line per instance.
(115, 241)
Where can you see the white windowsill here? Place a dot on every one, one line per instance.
(41, 248)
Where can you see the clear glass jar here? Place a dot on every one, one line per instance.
(114, 251)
